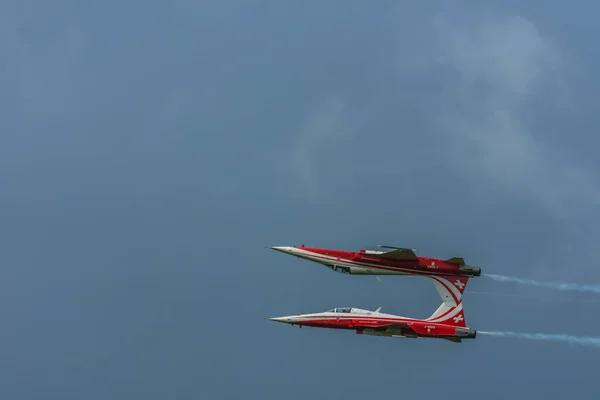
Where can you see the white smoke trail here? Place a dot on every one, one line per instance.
(581, 340)
(524, 296)
(551, 285)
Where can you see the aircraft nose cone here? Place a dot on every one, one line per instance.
(285, 320)
(283, 249)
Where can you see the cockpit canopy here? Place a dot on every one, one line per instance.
(341, 310)
(351, 310)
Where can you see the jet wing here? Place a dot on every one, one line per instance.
(400, 254)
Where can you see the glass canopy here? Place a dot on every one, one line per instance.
(341, 310)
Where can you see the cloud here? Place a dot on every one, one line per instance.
(324, 126)
(510, 55)
(496, 78)
(507, 73)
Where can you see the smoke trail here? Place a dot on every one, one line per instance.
(581, 340)
(524, 296)
(551, 285)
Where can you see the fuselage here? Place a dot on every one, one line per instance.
(378, 324)
(370, 262)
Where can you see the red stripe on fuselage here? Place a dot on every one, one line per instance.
(377, 323)
(376, 266)
(447, 268)
(365, 317)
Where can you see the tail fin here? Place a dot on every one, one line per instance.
(449, 315)
(450, 289)
(451, 311)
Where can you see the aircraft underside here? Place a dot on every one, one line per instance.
(394, 333)
(356, 270)
(406, 335)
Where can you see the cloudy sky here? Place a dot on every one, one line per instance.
(150, 150)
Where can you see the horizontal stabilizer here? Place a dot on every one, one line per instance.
(400, 254)
(456, 260)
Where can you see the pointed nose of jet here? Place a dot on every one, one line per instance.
(283, 249)
(285, 320)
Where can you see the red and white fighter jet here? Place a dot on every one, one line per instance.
(398, 261)
(447, 322)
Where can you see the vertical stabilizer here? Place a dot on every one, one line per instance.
(450, 289)
(451, 311)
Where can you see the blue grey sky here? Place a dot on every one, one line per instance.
(150, 150)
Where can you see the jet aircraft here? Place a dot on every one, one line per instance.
(397, 261)
(447, 322)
